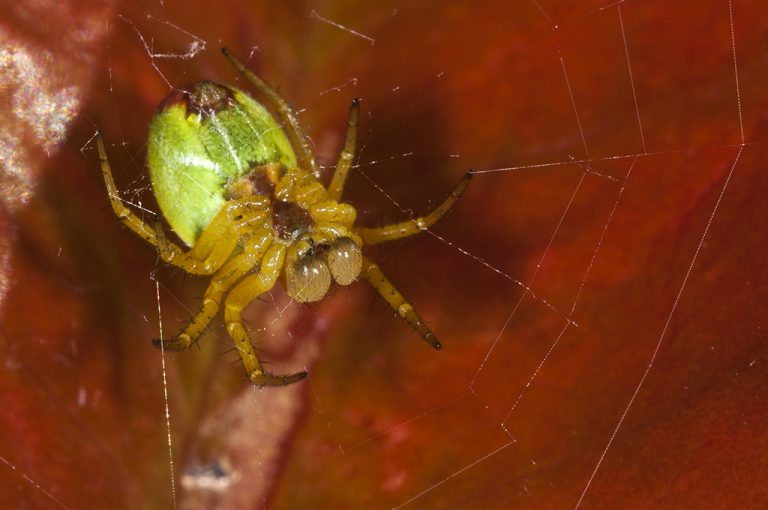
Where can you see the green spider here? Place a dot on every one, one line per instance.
(229, 184)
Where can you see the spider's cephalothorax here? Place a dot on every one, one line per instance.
(316, 230)
(253, 211)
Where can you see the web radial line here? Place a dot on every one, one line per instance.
(617, 157)
(465, 252)
(165, 395)
(602, 237)
(573, 102)
(499, 272)
(542, 11)
(736, 70)
(33, 483)
(608, 6)
(406, 422)
(631, 78)
(368, 38)
(534, 375)
(663, 332)
(453, 475)
(576, 298)
(530, 282)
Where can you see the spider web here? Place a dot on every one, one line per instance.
(518, 359)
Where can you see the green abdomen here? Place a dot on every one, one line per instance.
(200, 140)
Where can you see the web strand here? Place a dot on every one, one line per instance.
(587, 161)
(659, 342)
(736, 70)
(530, 283)
(576, 298)
(631, 79)
(588, 165)
(33, 483)
(165, 396)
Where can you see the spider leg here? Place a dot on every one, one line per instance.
(345, 159)
(284, 111)
(232, 271)
(397, 301)
(246, 291)
(416, 225)
(217, 242)
(128, 218)
(213, 247)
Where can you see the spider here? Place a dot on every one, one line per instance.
(230, 185)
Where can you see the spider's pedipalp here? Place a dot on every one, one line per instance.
(243, 192)
(345, 260)
(307, 280)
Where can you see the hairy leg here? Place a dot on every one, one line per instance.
(232, 271)
(128, 218)
(246, 291)
(212, 249)
(284, 111)
(416, 225)
(397, 301)
(336, 187)
(217, 242)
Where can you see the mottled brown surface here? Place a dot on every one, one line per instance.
(289, 219)
(653, 242)
(200, 98)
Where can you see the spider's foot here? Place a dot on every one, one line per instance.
(432, 340)
(179, 343)
(263, 379)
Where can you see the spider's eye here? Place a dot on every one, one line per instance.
(308, 280)
(344, 259)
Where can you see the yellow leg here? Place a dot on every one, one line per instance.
(284, 111)
(416, 225)
(212, 249)
(333, 212)
(345, 159)
(217, 242)
(130, 220)
(246, 291)
(395, 299)
(225, 279)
